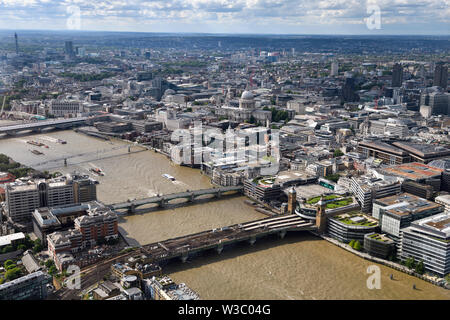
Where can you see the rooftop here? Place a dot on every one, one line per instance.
(405, 204)
(6, 240)
(356, 218)
(413, 171)
(437, 225)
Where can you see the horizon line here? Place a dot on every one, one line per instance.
(225, 33)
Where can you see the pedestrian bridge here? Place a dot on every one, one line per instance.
(190, 197)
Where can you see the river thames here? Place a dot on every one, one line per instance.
(300, 266)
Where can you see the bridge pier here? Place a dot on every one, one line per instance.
(252, 240)
(219, 248)
(282, 234)
(184, 257)
(132, 209)
(162, 203)
(191, 198)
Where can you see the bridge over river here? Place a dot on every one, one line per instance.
(185, 247)
(163, 200)
(37, 126)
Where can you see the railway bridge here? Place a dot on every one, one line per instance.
(216, 239)
(186, 247)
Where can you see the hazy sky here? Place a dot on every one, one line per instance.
(231, 16)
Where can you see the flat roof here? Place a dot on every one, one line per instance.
(414, 171)
(438, 224)
(6, 240)
(405, 204)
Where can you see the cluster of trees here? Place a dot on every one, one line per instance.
(278, 115)
(12, 271)
(35, 245)
(186, 64)
(14, 168)
(355, 245)
(338, 153)
(411, 263)
(333, 177)
(51, 268)
(84, 77)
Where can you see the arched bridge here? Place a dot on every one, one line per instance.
(163, 200)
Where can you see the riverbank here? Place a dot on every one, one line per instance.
(433, 280)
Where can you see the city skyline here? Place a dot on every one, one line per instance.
(235, 17)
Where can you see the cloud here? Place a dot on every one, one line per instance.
(237, 15)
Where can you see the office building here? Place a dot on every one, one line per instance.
(379, 245)
(48, 220)
(444, 165)
(421, 152)
(397, 212)
(438, 103)
(30, 287)
(444, 200)
(334, 69)
(23, 198)
(368, 188)
(428, 240)
(163, 288)
(397, 75)
(69, 49)
(62, 108)
(417, 178)
(387, 153)
(12, 240)
(263, 189)
(440, 75)
(351, 226)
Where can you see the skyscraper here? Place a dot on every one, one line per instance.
(397, 75)
(440, 75)
(334, 68)
(17, 43)
(69, 48)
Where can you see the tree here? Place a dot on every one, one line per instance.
(338, 153)
(21, 247)
(410, 263)
(7, 263)
(13, 273)
(352, 243)
(37, 248)
(8, 248)
(357, 246)
(52, 270)
(49, 263)
(420, 268)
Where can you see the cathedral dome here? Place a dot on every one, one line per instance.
(247, 95)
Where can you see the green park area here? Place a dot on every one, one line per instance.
(365, 222)
(12, 167)
(332, 204)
